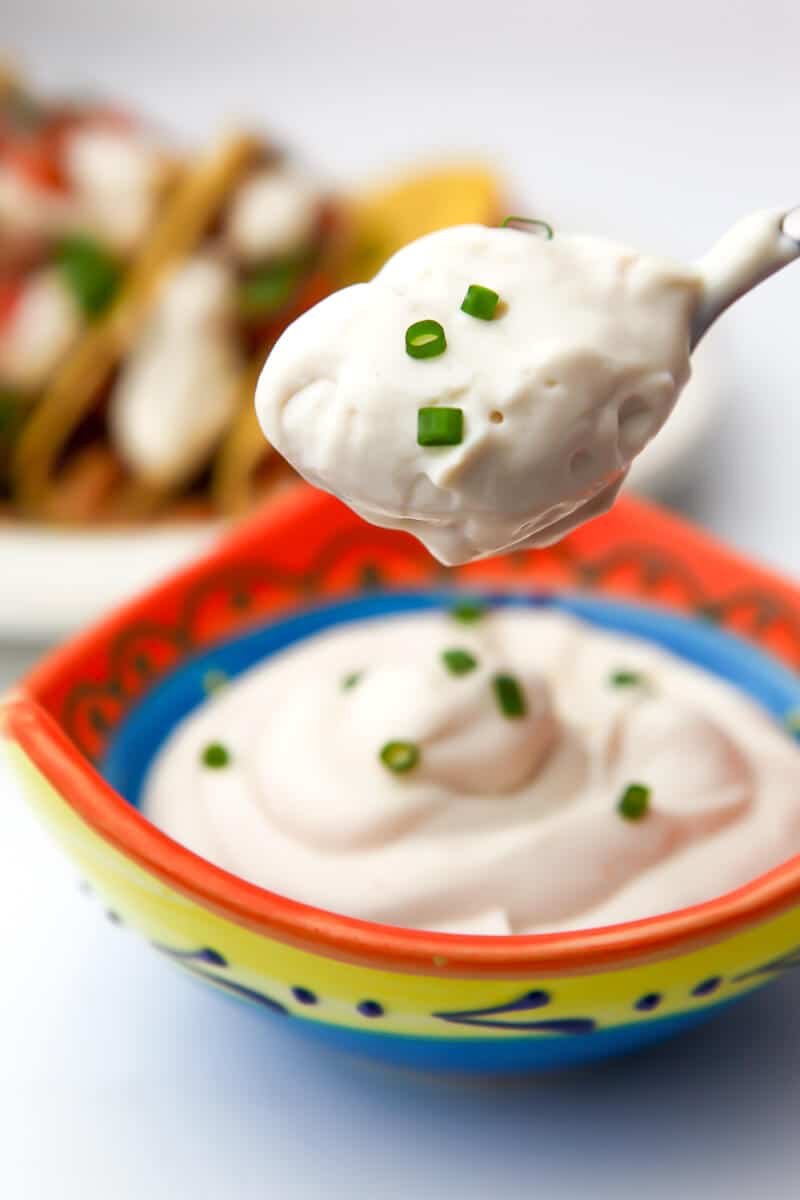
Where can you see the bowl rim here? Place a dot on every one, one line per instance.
(79, 784)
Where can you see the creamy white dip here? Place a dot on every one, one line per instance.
(578, 369)
(273, 214)
(115, 177)
(556, 391)
(507, 821)
(177, 390)
(39, 332)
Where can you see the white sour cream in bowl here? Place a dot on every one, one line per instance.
(519, 771)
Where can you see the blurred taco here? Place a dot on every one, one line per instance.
(81, 188)
(375, 223)
(149, 411)
(131, 423)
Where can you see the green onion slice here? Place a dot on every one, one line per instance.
(268, 290)
(351, 680)
(459, 662)
(440, 426)
(216, 755)
(400, 756)
(634, 802)
(214, 680)
(468, 611)
(510, 696)
(531, 222)
(90, 273)
(425, 339)
(792, 722)
(623, 679)
(480, 302)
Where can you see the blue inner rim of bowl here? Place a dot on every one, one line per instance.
(152, 720)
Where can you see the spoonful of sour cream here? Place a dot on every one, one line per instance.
(490, 388)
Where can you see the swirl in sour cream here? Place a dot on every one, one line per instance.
(524, 772)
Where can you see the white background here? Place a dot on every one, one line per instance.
(658, 123)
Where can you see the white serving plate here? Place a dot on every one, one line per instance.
(52, 582)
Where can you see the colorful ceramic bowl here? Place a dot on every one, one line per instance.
(91, 715)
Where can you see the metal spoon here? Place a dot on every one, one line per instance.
(745, 256)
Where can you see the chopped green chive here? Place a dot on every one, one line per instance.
(546, 229)
(792, 722)
(351, 680)
(440, 426)
(459, 662)
(510, 696)
(216, 755)
(214, 681)
(425, 339)
(400, 756)
(480, 302)
(91, 275)
(623, 679)
(634, 802)
(268, 290)
(468, 611)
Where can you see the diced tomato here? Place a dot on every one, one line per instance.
(19, 255)
(68, 121)
(314, 288)
(34, 160)
(10, 294)
(60, 128)
(39, 156)
(330, 220)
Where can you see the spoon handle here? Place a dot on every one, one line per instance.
(748, 254)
